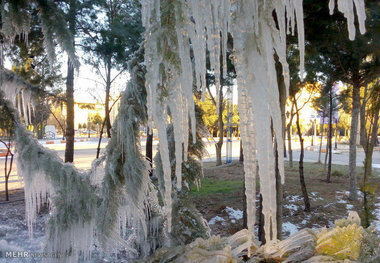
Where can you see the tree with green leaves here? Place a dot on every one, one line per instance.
(369, 127)
(112, 34)
(354, 62)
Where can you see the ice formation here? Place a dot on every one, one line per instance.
(112, 202)
(179, 35)
(180, 31)
(347, 8)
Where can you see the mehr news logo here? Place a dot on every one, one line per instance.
(27, 254)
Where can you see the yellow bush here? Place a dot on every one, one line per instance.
(340, 242)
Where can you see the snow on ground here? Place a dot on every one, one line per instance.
(14, 236)
(234, 214)
(377, 214)
(315, 196)
(291, 207)
(290, 228)
(294, 198)
(216, 219)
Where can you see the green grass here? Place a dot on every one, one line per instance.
(212, 186)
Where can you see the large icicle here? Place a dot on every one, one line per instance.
(125, 195)
(258, 36)
(347, 8)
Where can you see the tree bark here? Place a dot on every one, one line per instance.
(261, 233)
(241, 157)
(7, 171)
(219, 144)
(149, 149)
(288, 129)
(336, 134)
(320, 145)
(328, 176)
(302, 178)
(282, 95)
(70, 132)
(107, 100)
(290, 151)
(279, 193)
(353, 137)
(368, 146)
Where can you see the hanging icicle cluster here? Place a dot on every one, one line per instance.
(16, 22)
(178, 36)
(114, 202)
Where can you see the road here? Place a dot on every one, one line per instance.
(85, 153)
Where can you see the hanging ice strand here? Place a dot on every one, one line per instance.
(347, 8)
(169, 83)
(258, 35)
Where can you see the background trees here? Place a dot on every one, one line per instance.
(112, 33)
(353, 62)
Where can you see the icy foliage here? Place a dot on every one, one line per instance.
(47, 178)
(126, 201)
(115, 202)
(15, 19)
(188, 223)
(124, 207)
(19, 93)
(304, 246)
(259, 29)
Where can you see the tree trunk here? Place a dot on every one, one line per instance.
(282, 95)
(279, 197)
(149, 149)
(7, 171)
(328, 177)
(290, 151)
(336, 134)
(362, 128)
(368, 145)
(107, 101)
(320, 145)
(70, 132)
(288, 129)
(219, 144)
(302, 178)
(241, 157)
(244, 200)
(261, 233)
(6, 176)
(353, 137)
(327, 153)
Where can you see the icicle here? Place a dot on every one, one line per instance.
(206, 25)
(347, 8)
(331, 6)
(301, 35)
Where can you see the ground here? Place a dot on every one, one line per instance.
(220, 199)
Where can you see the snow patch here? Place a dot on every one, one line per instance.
(216, 219)
(290, 228)
(294, 198)
(291, 207)
(234, 214)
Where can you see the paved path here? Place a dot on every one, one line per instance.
(85, 152)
